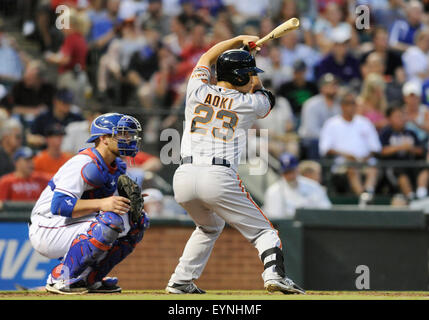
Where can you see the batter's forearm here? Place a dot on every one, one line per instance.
(211, 55)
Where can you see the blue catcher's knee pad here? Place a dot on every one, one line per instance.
(87, 249)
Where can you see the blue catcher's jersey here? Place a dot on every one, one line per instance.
(84, 176)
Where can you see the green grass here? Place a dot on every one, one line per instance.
(222, 295)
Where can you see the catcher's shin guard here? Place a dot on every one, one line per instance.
(121, 248)
(87, 249)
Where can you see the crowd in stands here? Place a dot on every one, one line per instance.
(349, 96)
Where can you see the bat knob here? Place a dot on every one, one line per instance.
(252, 45)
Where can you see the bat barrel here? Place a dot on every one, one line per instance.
(294, 22)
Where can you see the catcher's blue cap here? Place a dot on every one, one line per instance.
(288, 162)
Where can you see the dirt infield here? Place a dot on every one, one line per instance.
(221, 295)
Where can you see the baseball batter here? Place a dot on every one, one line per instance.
(79, 220)
(207, 185)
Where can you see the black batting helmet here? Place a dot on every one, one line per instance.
(234, 67)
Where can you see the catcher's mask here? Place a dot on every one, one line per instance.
(125, 129)
(127, 132)
(236, 66)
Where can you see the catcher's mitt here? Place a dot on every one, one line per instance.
(130, 189)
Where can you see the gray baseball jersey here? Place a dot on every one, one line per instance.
(216, 124)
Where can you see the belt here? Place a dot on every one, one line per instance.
(215, 161)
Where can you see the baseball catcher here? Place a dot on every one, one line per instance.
(79, 219)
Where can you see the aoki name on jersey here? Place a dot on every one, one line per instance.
(218, 101)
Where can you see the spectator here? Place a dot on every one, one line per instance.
(350, 137)
(328, 25)
(188, 16)
(60, 113)
(176, 39)
(11, 67)
(315, 112)
(154, 204)
(273, 68)
(49, 36)
(386, 17)
(154, 19)
(246, 10)
(280, 125)
(291, 9)
(111, 80)
(71, 60)
(299, 89)
(374, 63)
(141, 165)
(73, 51)
(208, 10)
(103, 24)
(33, 94)
(167, 90)
(415, 58)
(10, 142)
(77, 132)
(129, 9)
(50, 160)
(292, 50)
(372, 102)
(390, 58)
(402, 33)
(171, 8)
(340, 61)
(402, 144)
(196, 46)
(310, 169)
(143, 64)
(293, 191)
(416, 113)
(24, 184)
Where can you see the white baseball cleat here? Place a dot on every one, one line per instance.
(60, 287)
(286, 286)
(190, 287)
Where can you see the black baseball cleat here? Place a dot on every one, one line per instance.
(286, 286)
(190, 287)
(107, 285)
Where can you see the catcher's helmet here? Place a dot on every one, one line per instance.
(126, 129)
(234, 66)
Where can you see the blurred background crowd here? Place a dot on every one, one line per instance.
(351, 121)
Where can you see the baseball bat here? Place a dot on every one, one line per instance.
(278, 32)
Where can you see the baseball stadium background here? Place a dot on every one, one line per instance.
(134, 57)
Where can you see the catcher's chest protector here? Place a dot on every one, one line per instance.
(100, 176)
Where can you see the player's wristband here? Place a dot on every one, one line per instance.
(62, 204)
(269, 95)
